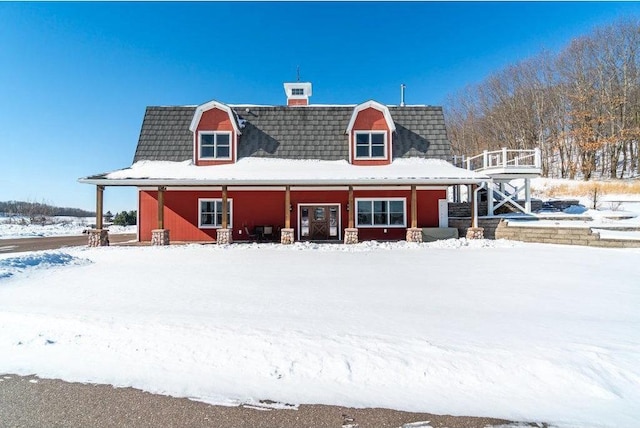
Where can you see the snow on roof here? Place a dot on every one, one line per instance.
(287, 171)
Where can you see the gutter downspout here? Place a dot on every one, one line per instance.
(474, 213)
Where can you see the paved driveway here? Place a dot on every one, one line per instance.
(32, 402)
(54, 242)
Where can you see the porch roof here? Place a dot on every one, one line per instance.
(264, 171)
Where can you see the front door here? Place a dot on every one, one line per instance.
(319, 222)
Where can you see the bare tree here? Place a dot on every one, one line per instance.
(581, 107)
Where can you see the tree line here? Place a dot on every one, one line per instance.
(39, 212)
(580, 106)
(40, 209)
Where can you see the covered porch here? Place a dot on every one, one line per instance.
(299, 200)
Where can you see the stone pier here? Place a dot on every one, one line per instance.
(223, 236)
(351, 236)
(98, 237)
(414, 234)
(286, 236)
(475, 233)
(160, 237)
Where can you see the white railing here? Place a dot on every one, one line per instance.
(505, 159)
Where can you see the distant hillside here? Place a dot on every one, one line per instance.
(38, 209)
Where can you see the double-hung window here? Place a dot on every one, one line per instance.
(371, 145)
(381, 212)
(210, 213)
(215, 145)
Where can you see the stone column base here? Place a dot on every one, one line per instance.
(286, 236)
(223, 236)
(475, 233)
(414, 234)
(98, 238)
(160, 237)
(350, 236)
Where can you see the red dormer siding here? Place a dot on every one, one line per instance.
(370, 119)
(215, 119)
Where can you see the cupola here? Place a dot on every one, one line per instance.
(298, 93)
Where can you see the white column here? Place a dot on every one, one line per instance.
(490, 185)
(527, 195)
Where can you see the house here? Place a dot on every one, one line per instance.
(222, 173)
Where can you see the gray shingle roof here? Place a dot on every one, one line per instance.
(314, 132)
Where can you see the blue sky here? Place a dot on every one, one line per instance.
(75, 78)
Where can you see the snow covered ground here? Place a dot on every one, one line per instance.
(13, 228)
(527, 332)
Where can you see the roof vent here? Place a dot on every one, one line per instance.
(298, 93)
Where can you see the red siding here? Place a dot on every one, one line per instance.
(297, 102)
(370, 119)
(251, 208)
(215, 120)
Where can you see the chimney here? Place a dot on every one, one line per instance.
(402, 88)
(298, 93)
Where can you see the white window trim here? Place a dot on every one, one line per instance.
(199, 149)
(381, 226)
(369, 132)
(211, 226)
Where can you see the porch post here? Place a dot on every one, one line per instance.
(161, 207)
(474, 232)
(99, 237)
(286, 234)
(414, 207)
(287, 207)
(351, 232)
(99, 206)
(160, 236)
(414, 234)
(224, 207)
(223, 235)
(351, 209)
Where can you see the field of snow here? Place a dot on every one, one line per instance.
(526, 332)
(14, 227)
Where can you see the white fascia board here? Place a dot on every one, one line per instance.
(208, 106)
(371, 104)
(141, 182)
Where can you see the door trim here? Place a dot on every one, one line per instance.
(324, 204)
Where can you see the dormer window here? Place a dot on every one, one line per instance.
(371, 145)
(370, 131)
(214, 145)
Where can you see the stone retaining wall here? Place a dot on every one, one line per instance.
(560, 235)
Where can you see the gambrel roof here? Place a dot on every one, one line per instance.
(311, 132)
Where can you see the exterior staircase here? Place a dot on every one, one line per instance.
(510, 173)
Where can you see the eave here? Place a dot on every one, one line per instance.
(171, 182)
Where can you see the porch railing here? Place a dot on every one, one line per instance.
(505, 159)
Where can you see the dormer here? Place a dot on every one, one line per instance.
(215, 134)
(298, 93)
(370, 133)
